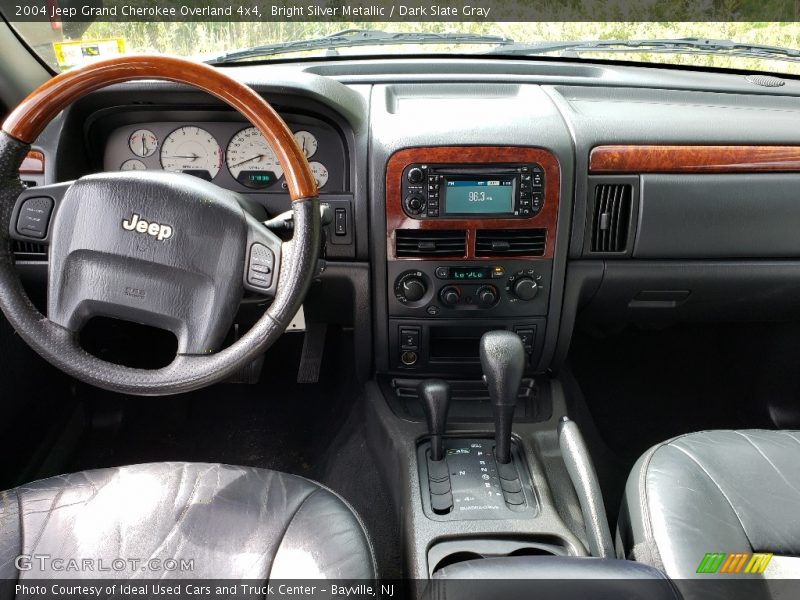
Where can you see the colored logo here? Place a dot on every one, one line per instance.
(735, 563)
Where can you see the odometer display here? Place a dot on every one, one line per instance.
(251, 161)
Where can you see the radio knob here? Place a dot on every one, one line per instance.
(415, 175)
(450, 295)
(525, 288)
(415, 204)
(413, 288)
(487, 295)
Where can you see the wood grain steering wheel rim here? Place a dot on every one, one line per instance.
(33, 114)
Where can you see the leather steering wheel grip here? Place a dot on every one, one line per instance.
(59, 346)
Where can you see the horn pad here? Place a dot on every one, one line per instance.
(163, 249)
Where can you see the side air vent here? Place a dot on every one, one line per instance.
(30, 251)
(510, 242)
(611, 217)
(420, 242)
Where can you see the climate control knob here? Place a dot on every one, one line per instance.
(413, 289)
(411, 286)
(487, 295)
(525, 288)
(450, 295)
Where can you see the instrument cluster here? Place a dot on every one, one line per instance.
(232, 154)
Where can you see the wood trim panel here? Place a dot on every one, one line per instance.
(32, 164)
(33, 114)
(694, 159)
(547, 218)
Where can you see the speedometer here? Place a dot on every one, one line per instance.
(192, 150)
(251, 161)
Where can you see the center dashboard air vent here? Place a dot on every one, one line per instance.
(430, 242)
(611, 218)
(510, 242)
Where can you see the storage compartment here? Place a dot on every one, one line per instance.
(444, 554)
(718, 216)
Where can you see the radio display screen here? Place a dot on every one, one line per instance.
(493, 196)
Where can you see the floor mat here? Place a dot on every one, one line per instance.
(639, 387)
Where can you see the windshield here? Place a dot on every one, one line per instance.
(66, 41)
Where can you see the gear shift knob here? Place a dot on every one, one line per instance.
(435, 397)
(503, 363)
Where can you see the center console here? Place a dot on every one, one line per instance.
(472, 286)
(470, 239)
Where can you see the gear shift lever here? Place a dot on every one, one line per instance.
(435, 397)
(503, 362)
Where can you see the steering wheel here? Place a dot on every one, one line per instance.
(164, 249)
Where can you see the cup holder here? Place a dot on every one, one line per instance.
(444, 554)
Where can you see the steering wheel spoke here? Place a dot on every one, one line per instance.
(34, 212)
(263, 259)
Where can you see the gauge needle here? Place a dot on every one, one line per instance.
(144, 148)
(257, 156)
(189, 156)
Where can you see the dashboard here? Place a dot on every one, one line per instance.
(483, 194)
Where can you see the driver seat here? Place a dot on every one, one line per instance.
(181, 520)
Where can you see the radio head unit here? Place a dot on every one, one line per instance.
(472, 191)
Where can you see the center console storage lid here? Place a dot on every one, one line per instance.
(550, 577)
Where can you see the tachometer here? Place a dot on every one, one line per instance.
(143, 142)
(192, 150)
(307, 142)
(251, 161)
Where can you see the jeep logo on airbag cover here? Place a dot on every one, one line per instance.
(139, 225)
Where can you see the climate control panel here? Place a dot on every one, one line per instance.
(508, 288)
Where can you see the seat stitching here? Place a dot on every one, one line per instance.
(358, 519)
(790, 436)
(286, 530)
(782, 476)
(183, 512)
(644, 505)
(21, 527)
(721, 491)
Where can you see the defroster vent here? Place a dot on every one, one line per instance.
(611, 217)
(422, 242)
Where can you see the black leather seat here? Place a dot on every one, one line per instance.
(715, 492)
(230, 522)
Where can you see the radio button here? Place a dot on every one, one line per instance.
(414, 204)
(415, 175)
(442, 272)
